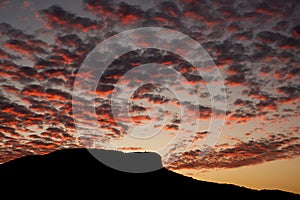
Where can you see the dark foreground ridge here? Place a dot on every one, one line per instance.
(77, 172)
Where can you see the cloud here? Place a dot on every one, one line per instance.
(237, 69)
(256, 93)
(131, 149)
(129, 14)
(101, 8)
(24, 48)
(34, 90)
(242, 116)
(242, 36)
(236, 80)
(104, 90)
(44, 64)
(10, 89)
(269, 104)
(246, 40)
(296, 31)
(7, 56)
(290, 93)
(54, 94)
(241, 154)
(137, 108)
(65, 57)
(70, 40)
(16, 110)
(169, 8)
(8, 131)
(55, 73)
(56, 133)
(288, 43)
(269, 37)
(57, 17)
(4, 4)
(243, 103)
(171, 127)
(17, 34)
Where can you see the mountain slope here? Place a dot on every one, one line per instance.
(79, 170)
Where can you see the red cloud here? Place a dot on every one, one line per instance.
(23, 47)
(296, 31)
(136, 119)
(194, 15)
(241, 154)
(10, 89)
(70, 40)
(131, 148)
(57, 95)
(34, 90)
(102, 8)
(18, 111)
(245, 117)
(104, 90)
(56, 17)
(129, 19)
(172, 127)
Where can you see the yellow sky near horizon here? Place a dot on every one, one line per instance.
(278, 174)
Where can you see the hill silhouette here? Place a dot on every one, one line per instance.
(77, 172)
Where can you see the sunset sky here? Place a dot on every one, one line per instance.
(254, 47)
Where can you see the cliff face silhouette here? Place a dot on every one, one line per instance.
(77, 172)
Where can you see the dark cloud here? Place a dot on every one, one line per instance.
(262, 52)
(236, 80)
(54, 94)
(23, 47)
(243, 36)
(8, 131)
(289, 43)
(256, 93)
(104, 90)
(65, 57)
(131, 148)
(240, 102)
(170, 8)
(296, 31)
(269, 103)
(269, 37)
(56, 133)
(7, 56)
(10, 89)
(237, 69)
(290, 93)
(57, 17)
(289, 90)
(129, 14)
(55, 73)
(241, 154)
(45, 64)
(102, 8)
(137, 108)
(171, 127)
(205, 112)
(15, 109)
(9, 31)
(34, 90)
(70, 40)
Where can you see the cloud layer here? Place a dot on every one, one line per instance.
(254, 44)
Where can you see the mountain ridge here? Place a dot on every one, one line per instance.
(72, 167)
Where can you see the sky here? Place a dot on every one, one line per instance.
(233, 120)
